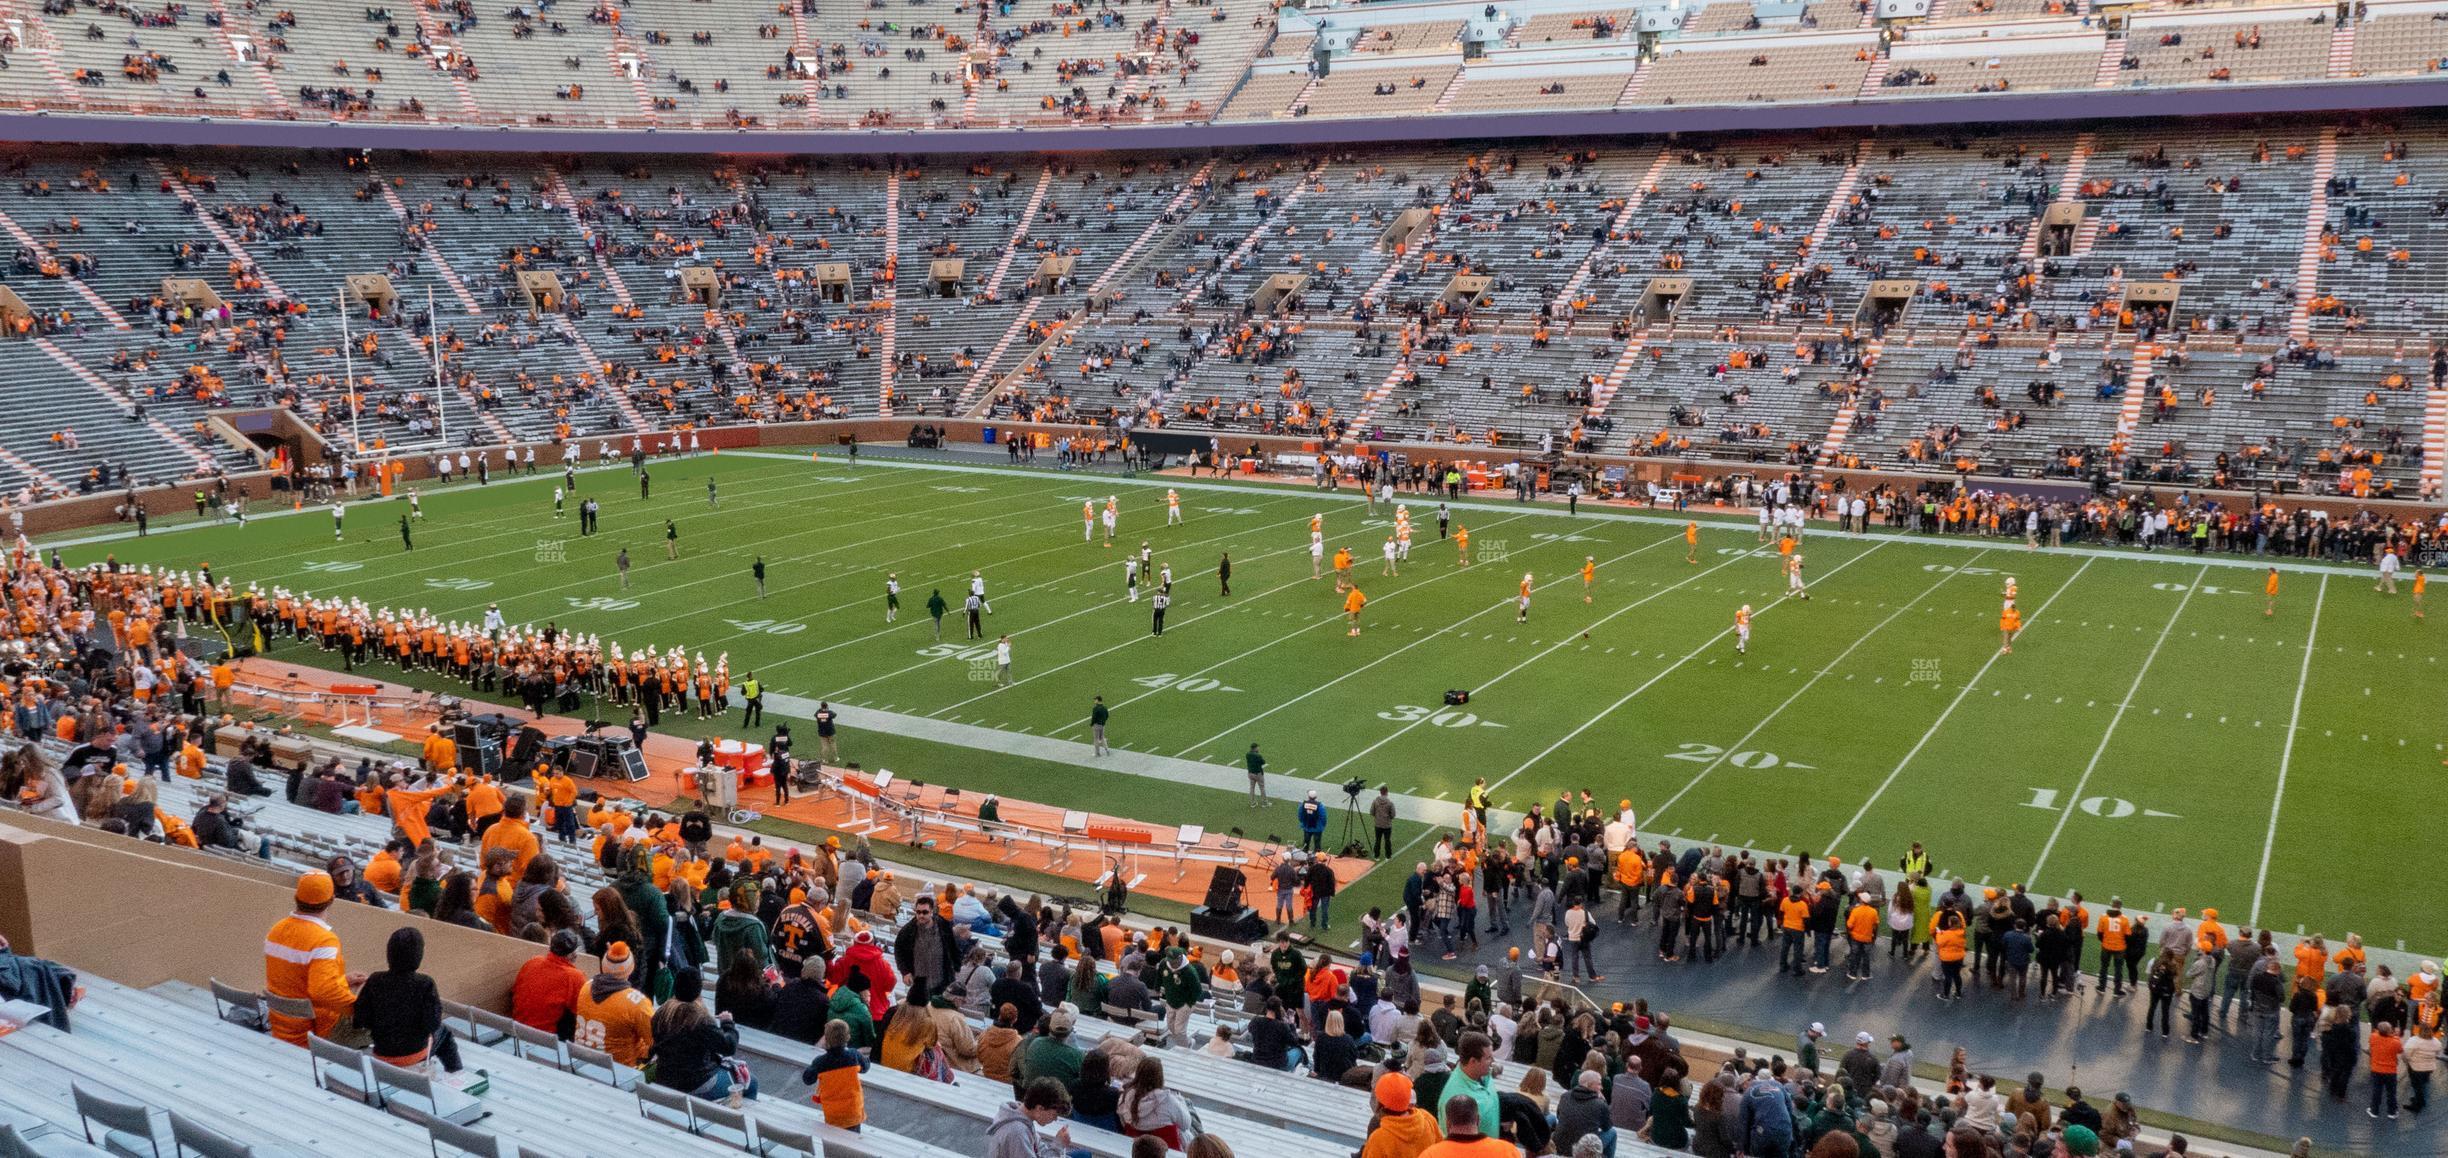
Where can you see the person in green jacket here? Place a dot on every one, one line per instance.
(1182, 983)
(645, 901)
(849, 1006)
(1921, 915)
(737, 927)
(1479, 990)
(935, 611)
(1049, 1054)
(1669, 1114)
(1288, 968)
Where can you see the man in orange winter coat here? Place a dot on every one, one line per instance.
(302, 961)
(511, 832)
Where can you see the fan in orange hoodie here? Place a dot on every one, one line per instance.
(1402, 1130)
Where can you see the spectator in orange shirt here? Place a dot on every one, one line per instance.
(545, 994)
(511, 832)
(2386, 1046)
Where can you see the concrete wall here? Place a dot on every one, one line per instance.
(142, 914)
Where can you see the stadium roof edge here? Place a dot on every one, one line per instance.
(2074, 105)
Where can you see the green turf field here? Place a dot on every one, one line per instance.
(2152, 734)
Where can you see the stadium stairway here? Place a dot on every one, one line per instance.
(104, 413)
(2342, 50)
(2434, 439)
(2137, 385)
(2111, 64)
(2316, 222)
(1019, 234)
(93, 301)
(1616, 227)
(2069, 188)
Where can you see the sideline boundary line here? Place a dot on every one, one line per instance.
(1313, 625)
(930, 661)
(2084, 781)
(1807, 685)
(1668, 670)
(2286, 755)
(1439, 633)
(2038, 613)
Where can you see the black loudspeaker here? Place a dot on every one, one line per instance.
(530, 743)
(1224, 889)
(622, 759)
(582, 762)
(1242, 926)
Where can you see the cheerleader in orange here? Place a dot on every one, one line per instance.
(1462, 542)
(2419, 583)
(1589, 576)
(2010, 621)
(1521, 603)
(1691, 543)
(2269, 591)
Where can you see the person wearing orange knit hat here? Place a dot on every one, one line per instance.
(1401, 1130)
(611, 1015)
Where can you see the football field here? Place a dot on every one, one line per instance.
(2152, 735)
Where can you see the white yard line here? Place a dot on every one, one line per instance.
(1093, 607)
(2038, 616)
(1430, 636)
(1669, 669)
(890, 515)
(1405, 730)
(523, 521)
(2286, 755)
(869, 574)
(1320, 622)
(2073, 800)
(1807, 685)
